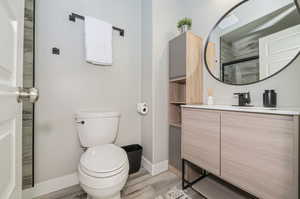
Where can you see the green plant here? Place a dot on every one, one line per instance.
(184, 21)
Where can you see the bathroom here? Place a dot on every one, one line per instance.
(41, 148)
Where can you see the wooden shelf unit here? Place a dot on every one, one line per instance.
(178, 125)
(175, 115)
(185, 87)
(179, 80)
(177, 92)
(177, 97)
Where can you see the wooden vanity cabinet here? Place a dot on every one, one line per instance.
(201, 139)
(259, 153)
(256, 152)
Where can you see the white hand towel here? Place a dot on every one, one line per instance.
(98, 41)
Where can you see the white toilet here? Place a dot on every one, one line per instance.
(103, 168)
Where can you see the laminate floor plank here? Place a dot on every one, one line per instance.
(139, 186)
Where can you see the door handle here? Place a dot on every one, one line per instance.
(27, 94)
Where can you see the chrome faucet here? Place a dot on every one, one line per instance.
(244, 98)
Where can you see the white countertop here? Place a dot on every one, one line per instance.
(276, 111)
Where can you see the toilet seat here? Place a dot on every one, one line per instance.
(103, 161)
(102, 175)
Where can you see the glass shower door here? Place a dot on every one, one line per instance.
(242, 72)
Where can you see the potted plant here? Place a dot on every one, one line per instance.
(184, 25)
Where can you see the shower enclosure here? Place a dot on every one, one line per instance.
(28, 108)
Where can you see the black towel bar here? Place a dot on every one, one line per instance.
(73, 17)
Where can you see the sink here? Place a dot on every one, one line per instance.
(256, 108)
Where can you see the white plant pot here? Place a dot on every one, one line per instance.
(184, 28)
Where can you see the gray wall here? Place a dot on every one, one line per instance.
(68, 84)
(166, 13)
(286, 83)
(147, 79)
(159, 26)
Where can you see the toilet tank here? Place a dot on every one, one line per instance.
(97, 128)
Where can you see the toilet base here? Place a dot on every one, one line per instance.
(117, 196)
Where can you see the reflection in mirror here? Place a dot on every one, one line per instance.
(254, 41)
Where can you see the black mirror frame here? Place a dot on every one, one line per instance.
(215, 26)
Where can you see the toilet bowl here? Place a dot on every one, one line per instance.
(103, 167)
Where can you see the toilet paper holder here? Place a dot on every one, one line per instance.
(142, 108)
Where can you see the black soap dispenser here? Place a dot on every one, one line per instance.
(270, 98)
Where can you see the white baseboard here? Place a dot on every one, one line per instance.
(155, 169)
(146, 164)
(52, 185)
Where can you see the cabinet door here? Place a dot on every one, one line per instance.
(201, 138)
(259, 153)
(174, 147)
(178, 57)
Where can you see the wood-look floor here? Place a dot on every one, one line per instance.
(144, 186)
(139, 186)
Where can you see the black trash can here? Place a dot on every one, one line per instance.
(134, 153)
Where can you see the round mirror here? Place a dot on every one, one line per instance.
(253, 41)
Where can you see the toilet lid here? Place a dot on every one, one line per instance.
(104, 158)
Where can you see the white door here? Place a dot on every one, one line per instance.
(277, 50)
(11, 64)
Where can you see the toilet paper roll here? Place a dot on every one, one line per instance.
(142, 108)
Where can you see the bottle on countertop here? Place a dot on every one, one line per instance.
(270, 98)
(210, 99)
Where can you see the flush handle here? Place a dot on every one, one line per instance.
(81, 122)
(27, 94)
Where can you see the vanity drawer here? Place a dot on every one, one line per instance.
(201, 138)
(259, 153)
